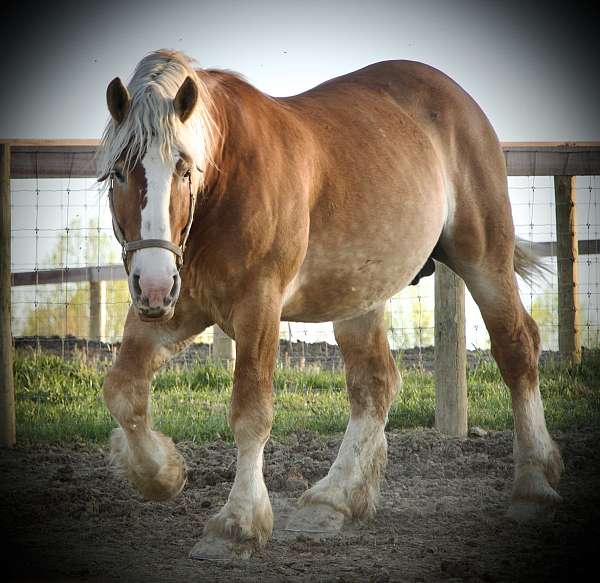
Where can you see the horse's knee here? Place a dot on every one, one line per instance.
(126, 397)
(251, 419)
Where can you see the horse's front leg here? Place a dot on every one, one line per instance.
(146, 457)
(245, 522)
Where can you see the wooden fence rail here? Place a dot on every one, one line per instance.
(563, 160)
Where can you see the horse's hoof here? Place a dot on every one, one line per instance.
(213, 548)
(533, 498)
(316, 520)
(166, 485)
(159, 486)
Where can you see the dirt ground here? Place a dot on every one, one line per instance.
(66, 517)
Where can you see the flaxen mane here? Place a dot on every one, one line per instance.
(152, 88)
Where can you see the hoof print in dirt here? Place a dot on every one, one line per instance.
(212, 548)
(316, 521)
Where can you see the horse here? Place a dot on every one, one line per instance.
(240, 209)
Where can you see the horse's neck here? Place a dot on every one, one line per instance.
(245, 118)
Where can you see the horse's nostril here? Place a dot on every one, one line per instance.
(136, 285)
(174, 293)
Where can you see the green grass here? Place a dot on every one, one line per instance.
(60, 401)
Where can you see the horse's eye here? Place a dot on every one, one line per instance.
(119, 175)
(187, 174)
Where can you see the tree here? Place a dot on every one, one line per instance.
(544, 310)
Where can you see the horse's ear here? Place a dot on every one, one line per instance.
(186, 99)
(117, 99)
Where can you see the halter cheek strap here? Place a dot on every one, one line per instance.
(131, 246)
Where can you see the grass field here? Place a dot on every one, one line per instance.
(61, 401)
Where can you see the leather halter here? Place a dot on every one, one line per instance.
(131, 246)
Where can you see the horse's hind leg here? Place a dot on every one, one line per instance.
(146, 457)
(351, 488)
(515, 344)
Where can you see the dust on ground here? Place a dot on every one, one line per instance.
(66, 517)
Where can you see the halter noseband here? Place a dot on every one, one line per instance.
(130, 246)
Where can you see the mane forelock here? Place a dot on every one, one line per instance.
(151, 115)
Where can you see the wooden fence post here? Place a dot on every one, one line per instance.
(569, 342)
(223, 348)
(450, 353)
(97, 329)
(7, 388)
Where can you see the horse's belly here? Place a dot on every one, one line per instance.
(336, 286)
(367, 245)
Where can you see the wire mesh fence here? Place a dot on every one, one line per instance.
(64, 225)
(534, 210)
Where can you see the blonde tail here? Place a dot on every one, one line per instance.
(528, 261)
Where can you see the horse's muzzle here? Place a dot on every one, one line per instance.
(154, 299)
(155, 315)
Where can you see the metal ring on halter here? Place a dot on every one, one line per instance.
(131, 246)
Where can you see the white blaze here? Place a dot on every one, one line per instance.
(154, 262)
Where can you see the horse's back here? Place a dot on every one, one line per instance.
(437, 105)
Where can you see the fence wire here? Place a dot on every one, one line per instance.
(64, 224)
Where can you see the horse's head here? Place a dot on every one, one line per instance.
(152, 196)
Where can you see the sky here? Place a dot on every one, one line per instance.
(530, 65)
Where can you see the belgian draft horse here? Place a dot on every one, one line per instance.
(243, 210)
